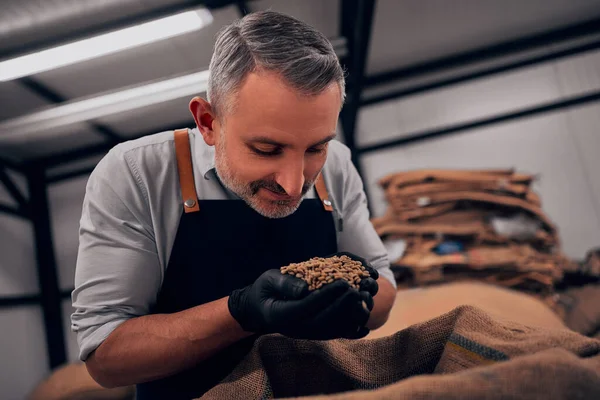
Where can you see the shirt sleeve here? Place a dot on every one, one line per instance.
(118, 272)
(358, 235)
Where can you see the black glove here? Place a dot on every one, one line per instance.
(368, 285)
(281, 303)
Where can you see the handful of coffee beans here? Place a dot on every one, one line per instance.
(320, 271)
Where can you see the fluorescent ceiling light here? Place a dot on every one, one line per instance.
(104, 44)
(108, 104)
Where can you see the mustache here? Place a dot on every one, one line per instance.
(276, 187)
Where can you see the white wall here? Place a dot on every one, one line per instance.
(66, 200)
(562, 146)
(23, 347)
(23, 354)
(24, 360)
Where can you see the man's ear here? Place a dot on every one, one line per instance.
(205, 119)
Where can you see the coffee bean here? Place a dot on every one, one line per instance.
(320, 271)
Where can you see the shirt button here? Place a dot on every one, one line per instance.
(189, 203)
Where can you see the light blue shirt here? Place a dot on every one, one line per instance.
(130, 217)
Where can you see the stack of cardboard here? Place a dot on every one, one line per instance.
(461, 225)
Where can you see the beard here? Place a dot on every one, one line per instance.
(249, 191)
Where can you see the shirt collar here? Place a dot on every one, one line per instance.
(203, 153)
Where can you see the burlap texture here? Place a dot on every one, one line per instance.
(418, 305)
(462, 354)
(495, 215)
(501, 177)
(412, 203)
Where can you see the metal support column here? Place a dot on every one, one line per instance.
(357, 19)
(46, 265)
(243, 8)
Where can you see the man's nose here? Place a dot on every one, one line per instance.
(291, 178)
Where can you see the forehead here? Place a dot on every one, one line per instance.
(266, 105)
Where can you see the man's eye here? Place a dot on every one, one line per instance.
(316, 150)
(266, 153)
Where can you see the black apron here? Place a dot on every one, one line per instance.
(223, 245)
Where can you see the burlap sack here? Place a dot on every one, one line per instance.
(468, 225)
(413, 204)
(502, 177)
(422, 212)
(505, 237)
(551, 374)
(511, 265)
(461, 354)
(427, 188)
(418, 305)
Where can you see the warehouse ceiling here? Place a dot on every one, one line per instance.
(404, 33)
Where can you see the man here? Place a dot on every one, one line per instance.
(182, 234)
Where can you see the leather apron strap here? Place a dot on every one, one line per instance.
(186, 176)
(186, 173)
(322, 193)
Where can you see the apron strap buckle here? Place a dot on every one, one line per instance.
(322, 193)
(186, 173)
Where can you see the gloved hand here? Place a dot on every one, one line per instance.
(281, 303)
(367, 285)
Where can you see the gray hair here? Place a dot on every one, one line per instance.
(271, 41)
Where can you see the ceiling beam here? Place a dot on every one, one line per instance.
(95, 150)
(94, 108)
(6, 209)
(14, 165)
(464, 127)
(487, 52)
(13, 190)
(54, 97)
(20, 49)
(29, 300)
(63, 176)
(436, 84)
(19, 301)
